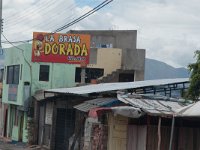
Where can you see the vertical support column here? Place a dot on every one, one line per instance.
(83, 72)
(159, 133)
(172, 133)
(1, 27)
(82, 75)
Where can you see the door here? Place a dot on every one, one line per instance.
(117, 132)
(126, 77)
(5, 124)
(21, 125)
(65, 122)
(41, 125)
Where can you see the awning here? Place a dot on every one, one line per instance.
(39, 95)
(153, 107)
(128, 111)
(192, 110)
(99, 102)
(136, 105)
(104, 87)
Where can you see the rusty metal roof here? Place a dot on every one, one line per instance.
(136, 105)
(103, 87)
(153, 106)
(99, 102)
(191, 110)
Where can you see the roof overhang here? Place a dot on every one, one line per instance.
(105, 87)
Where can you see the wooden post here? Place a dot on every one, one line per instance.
(159, 133)
(83, 72)
(172, 133)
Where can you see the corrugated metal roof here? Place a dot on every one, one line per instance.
(191, 110)
(153, 107)
(87, 105)
(39, 95)
(138, 105)
(103, 87)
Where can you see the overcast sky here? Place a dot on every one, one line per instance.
(169, 30)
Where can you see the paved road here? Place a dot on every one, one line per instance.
(6, 144)
(12, 146)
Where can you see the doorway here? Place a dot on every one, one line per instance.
(65, 124)
(126, 77)
(21, 125)
(5, 123)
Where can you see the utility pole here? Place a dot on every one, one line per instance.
(1, 26)
(83, 72)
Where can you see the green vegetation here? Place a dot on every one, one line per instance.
(194, 88)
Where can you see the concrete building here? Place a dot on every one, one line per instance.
(114, 56)
(3, 107)
(22, 79)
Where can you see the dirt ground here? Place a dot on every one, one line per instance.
(12, 146)
(8, 145)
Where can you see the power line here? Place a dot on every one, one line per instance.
(34, 14)
(43, 12)
(11, 42)
(30, 10)
(103, 4)
(98, 7)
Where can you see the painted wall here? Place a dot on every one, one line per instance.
(15, 133)
(25, 132)
(61, 75)
(126, 40)
(109, 59)
(13, 56)
(118, 38)
(1, 119)
(117, 133)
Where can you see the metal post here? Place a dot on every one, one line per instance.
(159, 133)
(83, 72)
(83, 75)
(1, 25)
(172, 133)
(0, 21)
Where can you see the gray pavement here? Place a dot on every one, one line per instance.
(6, 144)
(13, 146)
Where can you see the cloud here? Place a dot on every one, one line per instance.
(168, 30)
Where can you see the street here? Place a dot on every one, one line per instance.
(10, 146)
(7, 145)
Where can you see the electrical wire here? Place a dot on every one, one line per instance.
(35, 15)
(43, 13)
(11, 42)
(30, 10)
(103, 4)
(48, 25)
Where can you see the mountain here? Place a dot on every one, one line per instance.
(155, 69)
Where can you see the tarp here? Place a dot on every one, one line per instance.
(192, 110)
(128, 111)
(93, 113)
(152, 107)
(105, 87)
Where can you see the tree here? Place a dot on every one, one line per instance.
(194, 88)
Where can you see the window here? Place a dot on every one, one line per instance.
(91, 73)
(1, 75)
(13, 74)
(44, 73)
(16, 117)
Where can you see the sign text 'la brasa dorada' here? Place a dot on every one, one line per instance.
(60, 48)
